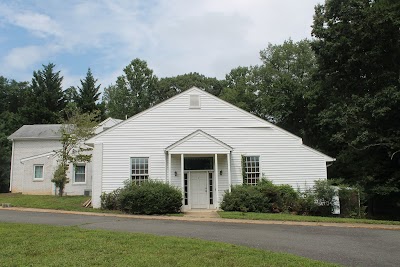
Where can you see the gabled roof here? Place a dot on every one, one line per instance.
(114, 121)
(217, 143)
(197, 90)
(106, 124)
(191, 90)
(47, 131)
(37, 131)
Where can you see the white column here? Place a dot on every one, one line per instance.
(97, 175)
(12, 165)
(216, 181)
(228, 157)
(169, 167)
(183, 177)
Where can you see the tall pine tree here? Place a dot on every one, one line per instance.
(88, 94)
(46, 97)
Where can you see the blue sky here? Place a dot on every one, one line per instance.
(174, 37)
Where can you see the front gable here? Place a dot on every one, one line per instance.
(189, 111)
(177, 112)
(199, 142)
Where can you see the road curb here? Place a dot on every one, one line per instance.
(213, 220)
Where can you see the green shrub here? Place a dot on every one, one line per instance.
(267, 197)
(269, 191)
(288, 198)
(110, 201)
(264, 197)
(151, 197)
(245, 198)
(306, 204)
(324, 193)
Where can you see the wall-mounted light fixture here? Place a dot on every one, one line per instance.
(176, 173)
(220, 172)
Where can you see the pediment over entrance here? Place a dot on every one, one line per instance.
(199, 142)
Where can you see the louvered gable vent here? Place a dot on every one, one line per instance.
(194, 101)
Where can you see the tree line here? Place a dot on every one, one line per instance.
(339, 91)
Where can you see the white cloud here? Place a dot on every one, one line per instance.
(39, 24)
(20, 58)
(174, 37)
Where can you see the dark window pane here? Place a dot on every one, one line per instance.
(199, 163)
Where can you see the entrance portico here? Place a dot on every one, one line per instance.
(203, 163)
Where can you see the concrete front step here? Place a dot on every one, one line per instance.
(201, 214)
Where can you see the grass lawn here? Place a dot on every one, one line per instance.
(297, 218)
(46, 202)
(39, 245)
(72, 203)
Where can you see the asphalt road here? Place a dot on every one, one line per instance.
(347, 246)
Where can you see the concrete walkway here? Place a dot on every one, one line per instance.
(201, 214)
(212, 217)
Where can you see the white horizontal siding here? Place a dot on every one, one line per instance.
(283, 158)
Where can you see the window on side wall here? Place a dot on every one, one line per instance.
(139, 170)
(38, 172)
(80, 174)
(252, 169)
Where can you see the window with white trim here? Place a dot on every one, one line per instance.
(80, 173)
(38, 172)
(252, 169)
(139, 170)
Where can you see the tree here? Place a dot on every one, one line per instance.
(170, 86)
(74, 131)
(70, 94)
(133, 92)
(281, 89)
(12, 99)
(116, 102)
(88, 93)
(46, 97)
(358, 53)
(241, 88)
(287, 91)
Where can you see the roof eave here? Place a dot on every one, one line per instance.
(32, 138)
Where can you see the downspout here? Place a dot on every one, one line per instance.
(12, 164)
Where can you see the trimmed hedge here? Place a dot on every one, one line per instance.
(265, 197)
(151, 197)
(245, 198)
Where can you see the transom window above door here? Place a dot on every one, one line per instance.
(139, 169)
(199, 163)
